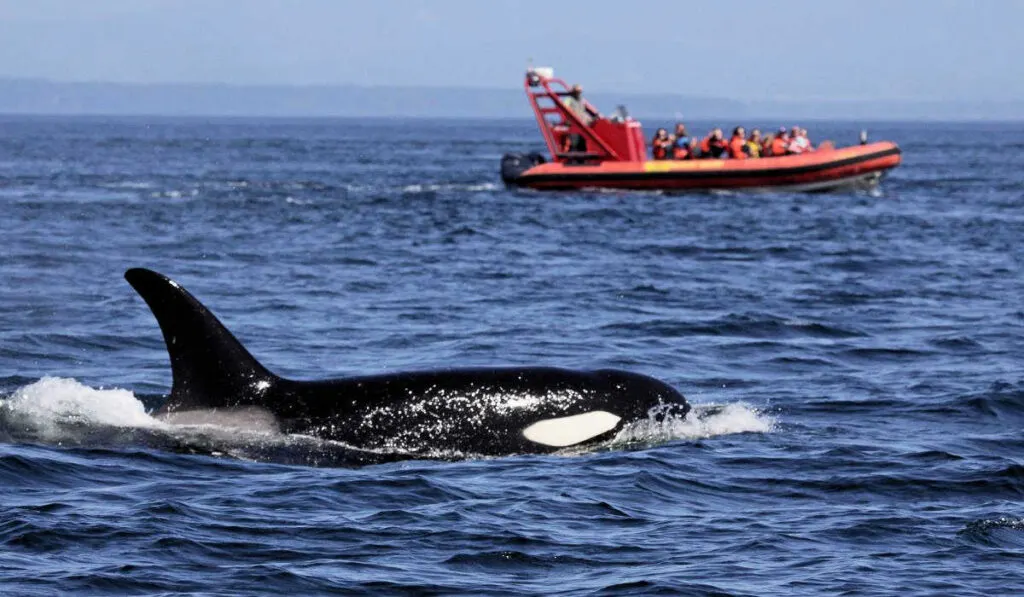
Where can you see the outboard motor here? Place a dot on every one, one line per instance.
(514, 164)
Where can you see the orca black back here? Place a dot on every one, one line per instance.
(209, 366)
(489, 411)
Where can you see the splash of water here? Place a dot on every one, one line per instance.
(703, 421)
(65, 412)
(51, 404)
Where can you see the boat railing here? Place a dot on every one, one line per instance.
(558, 123)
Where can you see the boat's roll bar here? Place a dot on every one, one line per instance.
(569, 138)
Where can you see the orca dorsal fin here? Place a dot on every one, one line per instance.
(210, 367)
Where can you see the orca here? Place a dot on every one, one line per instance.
(481, 411)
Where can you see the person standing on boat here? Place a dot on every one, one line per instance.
(578, 106)
(576, 142)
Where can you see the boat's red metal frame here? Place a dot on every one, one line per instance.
(606, 140)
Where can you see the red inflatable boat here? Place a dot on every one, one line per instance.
(589, 150)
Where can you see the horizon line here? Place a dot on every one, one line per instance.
(524, 119)
(515, 88)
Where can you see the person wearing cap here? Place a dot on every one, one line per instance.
(574, 141)
(578, 106)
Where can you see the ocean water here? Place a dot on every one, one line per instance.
(856, 362)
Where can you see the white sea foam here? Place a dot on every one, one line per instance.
(53, 402)
(703, 421)
(64, 411)
(478, 187)
(129, 184)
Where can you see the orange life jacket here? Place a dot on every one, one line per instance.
(779, 146)
(736, 148)
(713, 148)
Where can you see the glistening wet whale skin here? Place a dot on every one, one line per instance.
(456, 411)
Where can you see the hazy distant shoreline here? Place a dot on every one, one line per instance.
(46, 97)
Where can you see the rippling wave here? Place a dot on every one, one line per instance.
(854, 362)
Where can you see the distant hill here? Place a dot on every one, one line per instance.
(40, 96)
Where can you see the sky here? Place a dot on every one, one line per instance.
(780, 49)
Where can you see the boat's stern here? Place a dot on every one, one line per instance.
(513, 165)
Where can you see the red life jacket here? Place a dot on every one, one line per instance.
(736, 148)
(659, 147)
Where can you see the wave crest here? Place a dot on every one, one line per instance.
(51, 405)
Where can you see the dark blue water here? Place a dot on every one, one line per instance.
(857, 358)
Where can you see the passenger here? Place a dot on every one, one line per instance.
(766, 145)
(692, 151)
(798, 143)
(738, 143)
(573, 142)
(687, 151)
(578, 106)
(780, 146)
(661, 144)
(753, 145)
(681, 143)
(714, 145)
(803, 133)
